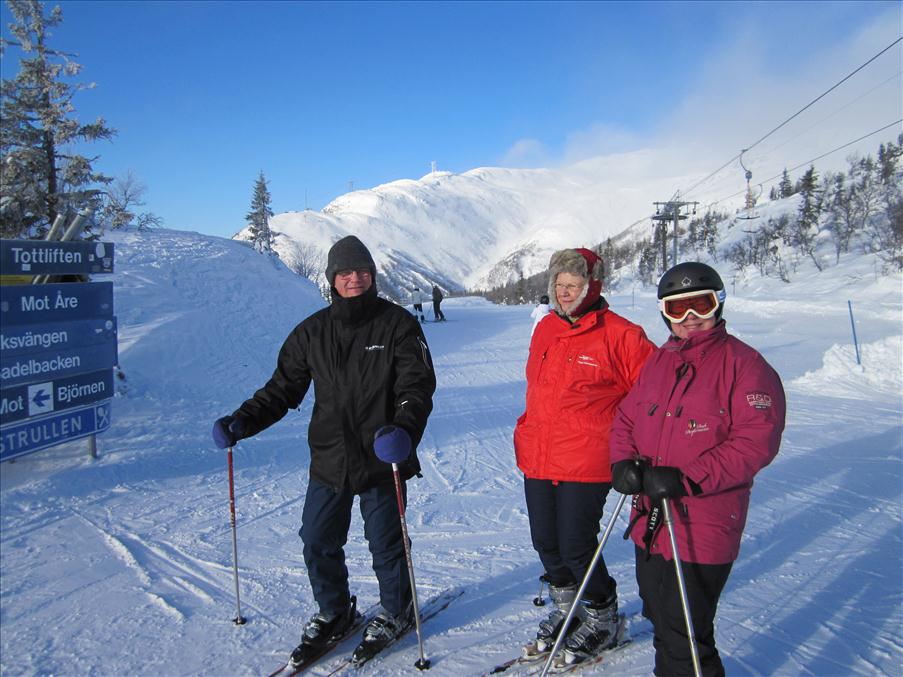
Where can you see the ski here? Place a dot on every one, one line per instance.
(288, 670)
(530, 654)
(432, 607)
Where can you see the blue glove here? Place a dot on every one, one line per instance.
(228, 430)
(392, 444)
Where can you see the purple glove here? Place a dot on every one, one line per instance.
(392, 444)
(228, 430)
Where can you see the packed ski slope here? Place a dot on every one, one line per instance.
(123, 565)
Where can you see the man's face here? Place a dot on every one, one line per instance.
(353, 282)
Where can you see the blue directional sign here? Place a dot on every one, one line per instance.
(46, 431)
(37, 257)
(26, 339)
(17, 369)
(36, 399)
(40, 303)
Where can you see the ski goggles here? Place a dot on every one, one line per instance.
(704, 304)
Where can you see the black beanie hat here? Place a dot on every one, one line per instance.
(347, 254)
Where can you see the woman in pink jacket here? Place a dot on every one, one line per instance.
(704, 417)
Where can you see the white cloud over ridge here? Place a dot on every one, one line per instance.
(743, 93)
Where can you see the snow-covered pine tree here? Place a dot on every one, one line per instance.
(785, 187)
(805, 230)
(259, 217)
(39, 179)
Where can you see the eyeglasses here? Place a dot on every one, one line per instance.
(570, 287)
(346, 274)
(704, 304)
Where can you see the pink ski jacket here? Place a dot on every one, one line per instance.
(714, 408)
(576, 376)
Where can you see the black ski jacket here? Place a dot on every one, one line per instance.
(368, 371)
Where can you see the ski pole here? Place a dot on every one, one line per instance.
(239, 619)
(423, 663)
(681, 586)
(589, 571)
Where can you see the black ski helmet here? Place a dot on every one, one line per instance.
(690, 276)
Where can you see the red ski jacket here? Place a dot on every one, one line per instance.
(713, 407)
(576, 376)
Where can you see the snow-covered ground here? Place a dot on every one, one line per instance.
(123, 565)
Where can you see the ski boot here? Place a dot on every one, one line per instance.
(380, 632)
(563, 598)
(320, 631)
(598, 631)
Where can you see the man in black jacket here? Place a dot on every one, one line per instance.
(372, 376)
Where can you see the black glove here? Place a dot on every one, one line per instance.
(228, 430)
(663, 482)
(627, 476)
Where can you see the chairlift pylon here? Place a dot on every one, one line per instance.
(751, 199)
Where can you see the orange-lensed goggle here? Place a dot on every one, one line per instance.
(704, 304)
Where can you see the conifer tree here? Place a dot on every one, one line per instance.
(806, 230)
(259, 217)
(785, 187)
(40, 179)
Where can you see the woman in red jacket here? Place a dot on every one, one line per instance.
(583, 361)
(705, 416)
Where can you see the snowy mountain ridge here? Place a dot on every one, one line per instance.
(481, 228)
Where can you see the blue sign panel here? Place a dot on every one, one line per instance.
(37, 257)
(25, 339)
(24, 401)
(34, 303)
(18, 369)
(47, 431)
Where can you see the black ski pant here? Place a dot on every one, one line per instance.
(657, 581)
(325, 522)
(437, 312)
(564, 525)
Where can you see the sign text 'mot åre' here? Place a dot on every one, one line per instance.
(31, 304)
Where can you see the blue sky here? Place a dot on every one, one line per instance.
(204, 95)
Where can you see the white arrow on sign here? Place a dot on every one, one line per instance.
(40, 398)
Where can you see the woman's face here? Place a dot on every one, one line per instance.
(568, 288)
(692, 324)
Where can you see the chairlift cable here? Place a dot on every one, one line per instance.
(809, 162)
(808, 105)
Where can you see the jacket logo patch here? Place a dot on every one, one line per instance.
(370, 348)
(694, 427)
(587, 360)
(759, 400)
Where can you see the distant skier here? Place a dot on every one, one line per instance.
(417, 300)
(373, 381)
(540, 311)
(438, 315)
(704, 417)
(583, 360)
